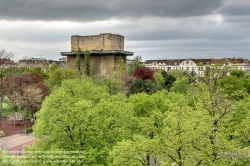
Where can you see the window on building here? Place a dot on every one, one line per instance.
(187, 62)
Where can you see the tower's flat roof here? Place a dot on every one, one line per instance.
(97, 35)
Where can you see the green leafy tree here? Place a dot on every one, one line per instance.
(172, 131)
(159, 78)
(181, 85)
(80, 116)
(133, 64)
(168, 79)
(57, 75)
(237, 73)
(138, 151)
(78, 60)
(87, 63)
(144, 147)
(112, 82)
(122, 67)
(221, 118)
(176, 73)
(148, 86)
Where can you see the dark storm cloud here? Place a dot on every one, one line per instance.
(79, 10)
(236, 10)
(154, 29)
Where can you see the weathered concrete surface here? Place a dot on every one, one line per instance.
(105, 41)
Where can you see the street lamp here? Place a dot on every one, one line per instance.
(24, 130)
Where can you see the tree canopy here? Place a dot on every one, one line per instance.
(195, 123)
(82, 116)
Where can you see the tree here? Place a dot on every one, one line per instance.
(16, 85)
(78, 60)
(165, 133)
(148, 86)
(145, 145)
(127, 80)
(81, 116)
(181, 85)
(168, 79)
(122, 67)
(232, 83)
(133, 64)
(56, 75)
(178, 132)
(237, 73)
(176, 73)
(134, 152)
(36, 70)
(33, 97)
(20, 87)
(144, 73)
(112, 82)
(222, 119)
(159, 78)
(87, 63)
(210, 132)
(6, 70)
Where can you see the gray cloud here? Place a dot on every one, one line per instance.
(235, 8)
(84, 10)
(156, 29)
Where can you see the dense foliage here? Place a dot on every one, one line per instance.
(134, 64)
(177, 119)
(87, 63)
(144, 73)
(26, 90)
(78, 60)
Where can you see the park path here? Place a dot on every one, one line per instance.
(16, 142)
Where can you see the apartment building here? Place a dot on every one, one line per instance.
(197, 65)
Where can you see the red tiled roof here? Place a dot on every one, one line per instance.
(199, 61)
(7, 62)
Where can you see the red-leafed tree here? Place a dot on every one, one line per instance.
(7, 68)
(144, 73)
(127, 79)
(15, 85)
(26, 91)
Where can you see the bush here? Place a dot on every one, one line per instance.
(29, 130)
(147, 86)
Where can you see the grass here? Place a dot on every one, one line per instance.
(8, 110)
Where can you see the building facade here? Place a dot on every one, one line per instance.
(40, 62)
(197, 65)
(5, 63)
(106, 52)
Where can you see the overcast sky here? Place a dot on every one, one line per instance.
(154, 29)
